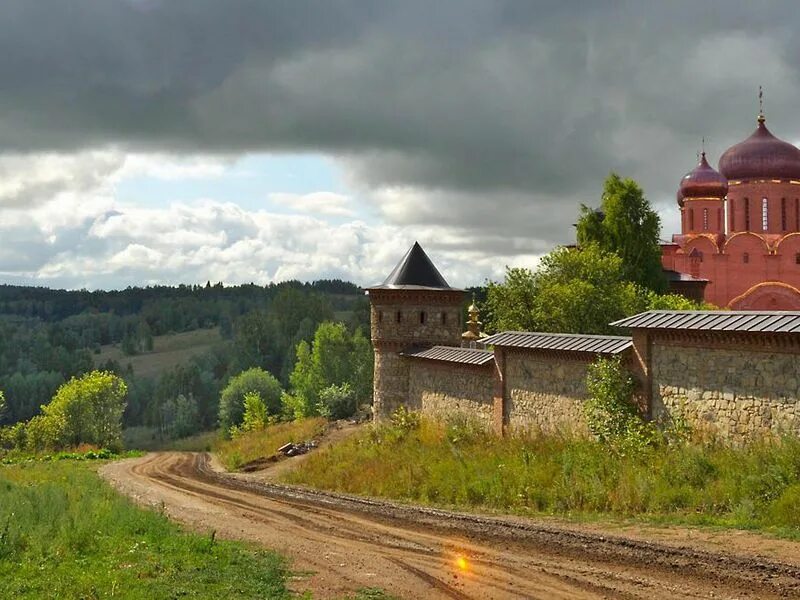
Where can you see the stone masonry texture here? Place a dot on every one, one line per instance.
(727, 393)
(545, 392)
(444, 391)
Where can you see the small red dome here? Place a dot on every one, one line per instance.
(702, 182)
(761, 156)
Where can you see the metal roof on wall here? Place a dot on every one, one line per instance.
(572, 342)
(454, 354)
(715, 320)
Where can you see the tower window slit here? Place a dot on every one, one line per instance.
(764, 215)
(733, 215)
(422, 318)
(797, 258)
(399, 316)
(380, 316)
(745, 258)
(444, 318)
(691, 219)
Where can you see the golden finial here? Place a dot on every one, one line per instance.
(761, 117)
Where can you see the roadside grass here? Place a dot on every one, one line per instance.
(150, 439)
(459, 465)
(239, 451)
(66, 534)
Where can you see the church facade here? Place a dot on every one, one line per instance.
(740, 226)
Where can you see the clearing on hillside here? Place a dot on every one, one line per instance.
(168, 351)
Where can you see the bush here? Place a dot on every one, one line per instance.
(84, 410)
(611, 414)
(231, 402)
(337, 402)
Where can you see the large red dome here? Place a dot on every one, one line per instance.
(761, 156)
(702, 182)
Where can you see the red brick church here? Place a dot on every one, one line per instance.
(740, 227)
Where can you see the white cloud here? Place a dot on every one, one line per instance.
(316, 203)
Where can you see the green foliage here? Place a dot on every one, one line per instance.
(3, 405)
(231, 402)
(611, 412)
(458, 464)
(335, 359)
(66, 534)
(85, 410)
(511, 305)
(256, 416)
(179, 417)
(627, 226)
(337, 401)
(572, 291)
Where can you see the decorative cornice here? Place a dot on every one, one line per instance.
(380, 297)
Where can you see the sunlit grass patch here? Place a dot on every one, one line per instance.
(66, 534)
(459, 465)
(254, 445)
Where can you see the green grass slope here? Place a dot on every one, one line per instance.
(65, 534)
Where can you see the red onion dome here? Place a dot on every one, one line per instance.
(702, 182)
(761, 156)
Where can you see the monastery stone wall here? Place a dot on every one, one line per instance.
(445, 390)
(728, 393)
(545, 391)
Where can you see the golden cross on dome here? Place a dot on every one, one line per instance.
(761, 117)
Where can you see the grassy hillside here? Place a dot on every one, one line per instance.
(168, 351)
(66, 534)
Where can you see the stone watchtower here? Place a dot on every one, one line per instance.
(414, 308)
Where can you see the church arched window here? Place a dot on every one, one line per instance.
(746, 258)
(691, 219)
(764, 215)
(797, 258)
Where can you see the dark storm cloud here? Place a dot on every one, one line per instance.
(519, 106)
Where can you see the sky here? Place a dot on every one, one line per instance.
(181, 141)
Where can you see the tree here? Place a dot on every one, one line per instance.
(335, 358)
(85, 410)
(231, 402)
(572, 291)
(255, 414)
(511, 305)
(3, 407)
(627, 226)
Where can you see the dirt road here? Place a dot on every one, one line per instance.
(339, 544)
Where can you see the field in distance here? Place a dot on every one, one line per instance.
(168, 351)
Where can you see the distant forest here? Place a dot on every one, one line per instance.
(48, 336)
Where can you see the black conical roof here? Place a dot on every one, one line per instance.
(415, 270)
